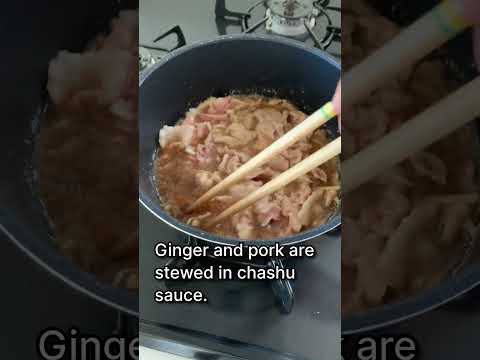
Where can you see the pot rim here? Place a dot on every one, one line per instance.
(426, 301)
(154, 207)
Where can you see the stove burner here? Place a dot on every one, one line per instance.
(291, 17)
(298, 19)
(146, 58)
(294, 9)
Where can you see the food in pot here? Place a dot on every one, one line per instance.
(220, 135)
(88, 149)
(403, 231)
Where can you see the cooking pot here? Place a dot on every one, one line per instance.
(32, 33)
(241, 64)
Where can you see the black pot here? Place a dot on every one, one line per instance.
(241, 64)
(45, 28)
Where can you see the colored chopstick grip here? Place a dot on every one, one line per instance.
(450, 17)
(328, 110)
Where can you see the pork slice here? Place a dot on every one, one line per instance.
(71, 75)
(182, 134)
(320, 174)
(201, 132)
(294, 155)
(263, 174)
(213, 118)
(279, 163)
(267, 210)
(241, 190)
(295, 117)
(244, 224)
(221, 134)
(317, 208)
(270, 123)
(207, 155)
(429, 165)
(232, 160)
(205, 179)
(298, 192)
(241, 133)
(220, 105)
(229, 163)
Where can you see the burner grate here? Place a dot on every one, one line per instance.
(298, 19)
(146, 57)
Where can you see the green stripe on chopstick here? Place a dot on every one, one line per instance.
(450, 18)
(328, 111)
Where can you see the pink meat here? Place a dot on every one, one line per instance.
(241, 190)
(244, 224)
(279, 163)
(207, 155)
(267, 211)
(206, 180)
(220, 105)
(212, 118)
(271, 123)
(294, 155)
(429, 165)
(71, 76)
(201, 132)
(320, 174)
(229, 163)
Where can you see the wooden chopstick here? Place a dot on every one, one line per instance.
(302, 130)
(321, 156)
(411, 44)
(448, 115)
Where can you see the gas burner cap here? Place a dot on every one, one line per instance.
(291, 9)
(145, 58)
(291, 17)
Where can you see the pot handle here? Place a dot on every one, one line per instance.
(282, 289)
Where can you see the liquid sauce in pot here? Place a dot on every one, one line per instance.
(219, 136)
(88, 151)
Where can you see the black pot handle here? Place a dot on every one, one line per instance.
(282, 289)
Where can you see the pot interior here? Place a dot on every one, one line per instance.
(56, 27)
(238, 64)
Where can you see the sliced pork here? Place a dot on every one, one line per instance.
(220, 135)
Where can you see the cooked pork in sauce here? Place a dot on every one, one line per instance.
(88, 149)
(216, 138)
(403, 231)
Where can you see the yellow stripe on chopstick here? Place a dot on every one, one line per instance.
(450, 17)
(328, 111)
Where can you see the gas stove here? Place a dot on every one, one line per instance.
(316, 23)
(243, 319)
